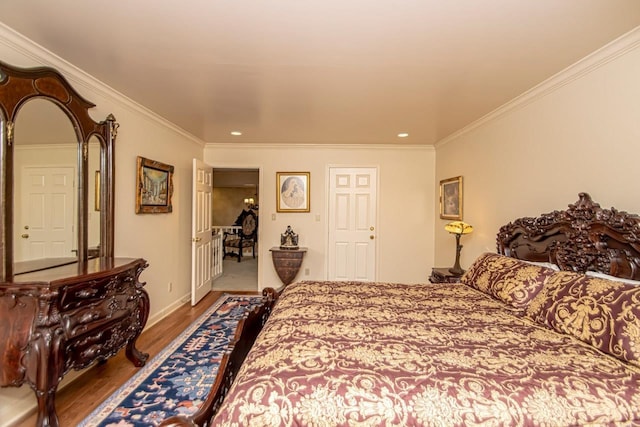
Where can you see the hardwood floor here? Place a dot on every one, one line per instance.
(78, 399)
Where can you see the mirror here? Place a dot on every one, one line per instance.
(48, 139)
(45, 200)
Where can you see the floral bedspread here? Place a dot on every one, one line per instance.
(369, 354)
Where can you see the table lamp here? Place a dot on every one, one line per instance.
(458, 228)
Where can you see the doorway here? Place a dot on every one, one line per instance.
(352, 224)
(236, 190)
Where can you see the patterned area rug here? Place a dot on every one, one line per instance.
(178, 379)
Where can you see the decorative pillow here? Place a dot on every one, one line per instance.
(600, 312)
(510, 280)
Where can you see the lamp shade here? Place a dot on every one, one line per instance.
(458, 227)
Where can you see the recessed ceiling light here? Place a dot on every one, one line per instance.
(403, 135)
(236, 133)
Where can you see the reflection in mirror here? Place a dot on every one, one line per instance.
(93, 217)
(45, 187)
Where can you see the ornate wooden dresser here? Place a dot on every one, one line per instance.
(68, 317)
(65, 301)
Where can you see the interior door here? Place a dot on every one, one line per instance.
(201, 241)
(352, 224)
(45, 218)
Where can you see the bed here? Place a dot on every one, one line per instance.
(534, 335)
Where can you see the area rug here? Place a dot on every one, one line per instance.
(178, 379)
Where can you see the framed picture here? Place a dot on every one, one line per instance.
(154, 186)
(451, 198)
(292, 191)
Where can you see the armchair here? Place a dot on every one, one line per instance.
(234, 243)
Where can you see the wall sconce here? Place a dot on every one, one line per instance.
(250, 203)
(458, 228)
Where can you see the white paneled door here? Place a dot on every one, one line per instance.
(45, 218)
(352, 224)
(201, 241)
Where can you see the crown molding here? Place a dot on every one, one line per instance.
(79, 78)
(609, 52)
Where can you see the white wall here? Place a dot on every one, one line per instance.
(405, 196)
(162, 239)
(577, 132)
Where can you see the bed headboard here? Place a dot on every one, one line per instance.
(582, 238)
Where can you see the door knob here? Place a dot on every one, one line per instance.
(25, 236)
(371, 237)
(196, 239)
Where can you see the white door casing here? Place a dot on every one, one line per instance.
(201, 240)
(45, 222)
(352, 224)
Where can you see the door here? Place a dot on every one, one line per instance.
(352, 224)
(201, 241)
(45, 222)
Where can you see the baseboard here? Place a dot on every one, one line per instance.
(19, 403)
(167, 310)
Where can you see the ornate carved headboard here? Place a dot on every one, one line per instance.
(582, 238)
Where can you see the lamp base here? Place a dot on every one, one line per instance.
(456, 271)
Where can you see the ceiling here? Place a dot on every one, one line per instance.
(320, 71)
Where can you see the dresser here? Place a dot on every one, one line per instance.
(68, 317)
(66, 301)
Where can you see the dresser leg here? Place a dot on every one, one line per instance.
(45, 368)
(137, 357)
(47, 416)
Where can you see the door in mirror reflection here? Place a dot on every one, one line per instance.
(45, 189)
(46, 215)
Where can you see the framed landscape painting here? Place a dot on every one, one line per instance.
(292, 191)
(154, 186)
(451, 198)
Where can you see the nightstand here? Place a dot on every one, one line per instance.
(443, 275)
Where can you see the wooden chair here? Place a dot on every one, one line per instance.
(235, 243)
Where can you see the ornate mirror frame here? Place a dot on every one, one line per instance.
(19, 85)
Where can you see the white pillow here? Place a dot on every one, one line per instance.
(542, 264)
(613, 278)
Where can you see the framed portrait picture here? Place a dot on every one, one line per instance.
(292, 191)
(451, 198)
(154, 186)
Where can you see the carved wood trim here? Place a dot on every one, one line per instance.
(584, 237)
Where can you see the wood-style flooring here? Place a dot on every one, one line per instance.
(78, 399)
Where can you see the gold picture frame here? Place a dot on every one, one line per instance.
(154, 187)
(451, 198)
(293, 191)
